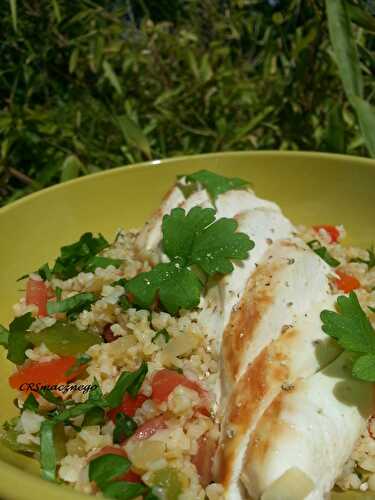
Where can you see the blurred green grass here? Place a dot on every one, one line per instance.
(90, 85)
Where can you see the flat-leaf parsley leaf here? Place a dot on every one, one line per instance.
(354, 332)
(216, 184)
(192, 239)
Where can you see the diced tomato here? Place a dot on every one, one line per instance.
(346, 282)
(129, 476)
(46, 373)
(37, 294)
(333, 232)
(203, 460)
(128, 406)
(165, 381)
(149, 428)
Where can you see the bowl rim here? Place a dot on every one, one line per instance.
(11, 471)
(165, 161)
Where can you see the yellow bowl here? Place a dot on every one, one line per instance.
(311, 188)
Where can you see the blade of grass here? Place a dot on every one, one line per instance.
(366, 118)
(13, 10)
(344, 47)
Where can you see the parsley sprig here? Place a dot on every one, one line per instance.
(354, 332)
(193, 239)
(215, 184)
(323, 253)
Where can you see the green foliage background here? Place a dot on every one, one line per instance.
(89, 85)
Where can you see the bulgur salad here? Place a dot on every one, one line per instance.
(218, 352)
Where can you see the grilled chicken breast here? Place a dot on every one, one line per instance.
(288, 281)
(301, 350)
(314, 427)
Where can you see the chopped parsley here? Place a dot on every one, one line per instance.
(128, 382)
(371, 259)
(4, 336)
(107, 467)
(353, 331)
(193, 239)
(45, 272)
(162, 333)
(98, 261)
(125, 427)
(48, 458)
(323, 253)
(72, 305)
(31, 404)
(214, 184)
(78, 256)
(17, 340)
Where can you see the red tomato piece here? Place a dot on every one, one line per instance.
(346, 282)
(46, 373)
(130, 476)
(149, 428)
(128, 406)
(333, 232)
(37, 294)
(203, 460)
(165, 381)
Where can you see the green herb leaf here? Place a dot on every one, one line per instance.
(17, 341)
(125, 427)
(192, 239)
(31, 403)
(353, 331)
(64, 339)
(75, 304)
(4, 336)
(129, 382)
(178, 287)
(76, 410)
(107, 467)
(45, 272)
(121, 282)
(75, 257)
(95, 394)
(50, 397)
(323, 253)
(372, 309)
(58, 293)
(122, 490)
(48, 459)
(98, 261)
(350, 326)
(197, 239)
(23, 277)
(95, 416)
(216, 184)
(364, 367)
(371, 260)
(163, 333)
(180, 230)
